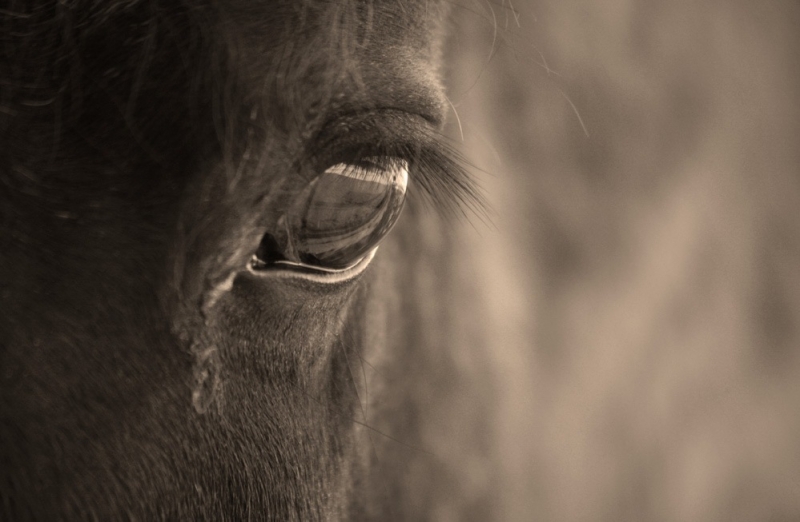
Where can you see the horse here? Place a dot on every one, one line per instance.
(232, 284)
(212, 305)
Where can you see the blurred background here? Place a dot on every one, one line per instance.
(642, 264)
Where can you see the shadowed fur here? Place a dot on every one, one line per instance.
(147, 374)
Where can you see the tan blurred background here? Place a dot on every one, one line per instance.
(643, 268)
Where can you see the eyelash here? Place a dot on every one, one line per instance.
(441, 174)
(438, 173)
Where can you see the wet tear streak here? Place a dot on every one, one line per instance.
(207, 385)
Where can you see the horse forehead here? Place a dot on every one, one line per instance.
(383, 51)
(407, 21)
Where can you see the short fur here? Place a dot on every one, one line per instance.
(146, 374)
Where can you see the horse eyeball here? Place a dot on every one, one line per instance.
(340, 215)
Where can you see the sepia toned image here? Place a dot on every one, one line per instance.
(344, 260)
(642, 275)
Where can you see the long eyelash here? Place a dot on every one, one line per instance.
(439, 175)
(444, 181)
(437, 171)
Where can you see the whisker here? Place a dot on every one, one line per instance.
(575, 110)
(458, 119)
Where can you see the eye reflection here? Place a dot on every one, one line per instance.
(339, 216)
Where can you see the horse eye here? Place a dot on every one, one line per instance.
(338, 217)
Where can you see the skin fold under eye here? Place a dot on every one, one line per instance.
(338, 217)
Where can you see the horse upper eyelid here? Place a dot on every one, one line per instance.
(438, 171)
